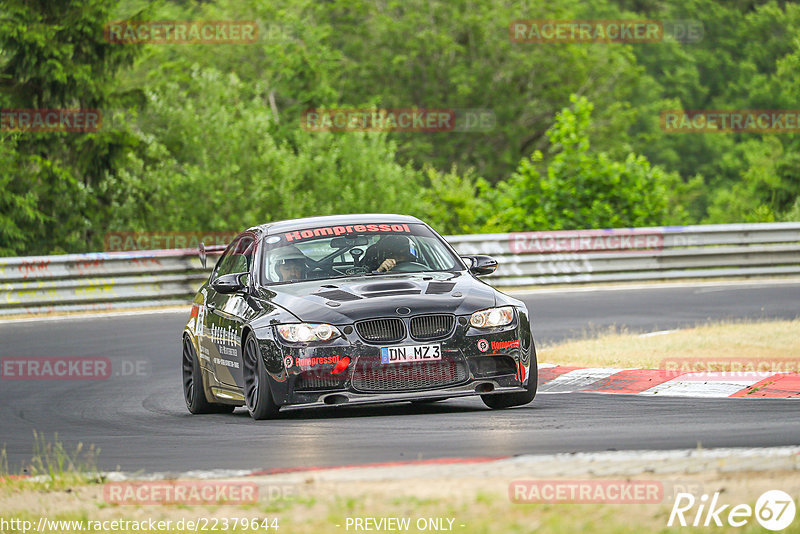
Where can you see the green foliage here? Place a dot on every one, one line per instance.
(18, 203)
(52, 459)
(769, 189)
(208, 137)
(458, 54)
(746, 59)
(54, 56)
(456, 204)
(216, 161)
(581, 188)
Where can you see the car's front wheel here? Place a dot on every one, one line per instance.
(193, 392)
(257, 396)
(507, 400)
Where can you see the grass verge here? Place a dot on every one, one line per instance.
(52, 467)
(476, 504)
(615, 348)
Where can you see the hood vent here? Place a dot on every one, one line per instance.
(392, 293)
(437, 288)
(389, 289)
(337, 295)
(386, 286)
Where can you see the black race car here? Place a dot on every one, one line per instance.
(352, 309)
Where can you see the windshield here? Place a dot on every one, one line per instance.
(334, 251)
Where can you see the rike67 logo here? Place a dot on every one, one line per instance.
(774, 510)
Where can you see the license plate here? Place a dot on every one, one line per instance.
(411, 353)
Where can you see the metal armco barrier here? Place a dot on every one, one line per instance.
(638, 254)
(98, 281)
(118, 280)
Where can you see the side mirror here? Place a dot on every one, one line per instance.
(481, 265)
(230, 283)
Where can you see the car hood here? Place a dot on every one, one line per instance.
(345, 300)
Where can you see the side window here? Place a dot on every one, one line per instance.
(238, 258)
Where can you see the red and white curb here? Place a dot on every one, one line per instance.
(666, 383)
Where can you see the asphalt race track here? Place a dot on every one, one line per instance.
(138, 419)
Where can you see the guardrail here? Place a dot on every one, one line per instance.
(115, 280)
(98, 281)
(637, 254)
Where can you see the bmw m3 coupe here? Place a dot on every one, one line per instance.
(352, 309)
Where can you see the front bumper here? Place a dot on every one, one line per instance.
(476, 387)
(474, 362)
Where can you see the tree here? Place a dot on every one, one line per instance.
(54, 56)
(18, 208)
(215, 161)
(581, 188)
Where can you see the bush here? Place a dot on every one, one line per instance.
(578, 188)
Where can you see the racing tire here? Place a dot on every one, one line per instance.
(508, 400)
(193, 391)
(257, 396)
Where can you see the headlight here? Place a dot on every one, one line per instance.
(304, 332)
(492, 317)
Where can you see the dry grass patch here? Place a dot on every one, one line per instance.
(757, 341)
(481, 505)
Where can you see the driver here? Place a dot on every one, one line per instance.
(392, 250)
(290, 264)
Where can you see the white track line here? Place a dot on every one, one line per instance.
(658, 333)
(706, 385)
(577, 380)
(722, 285)
(98, 315)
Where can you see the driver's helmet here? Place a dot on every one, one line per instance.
(398, 247)
(291, 262)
